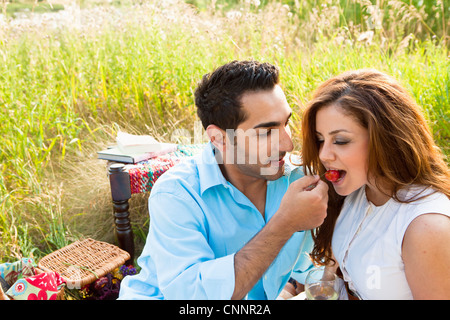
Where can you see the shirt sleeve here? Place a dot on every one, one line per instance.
(141, 286)
(185, 264)
(304, 263)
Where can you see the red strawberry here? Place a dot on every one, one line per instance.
(332, 175)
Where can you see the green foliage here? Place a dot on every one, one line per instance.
(423, 18)
(16, 7)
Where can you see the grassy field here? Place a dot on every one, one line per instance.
(70, 80)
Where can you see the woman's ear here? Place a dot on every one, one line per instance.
(216, 136)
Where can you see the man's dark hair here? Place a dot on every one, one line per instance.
(218, 94)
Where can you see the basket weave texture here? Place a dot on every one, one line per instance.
(83, 262)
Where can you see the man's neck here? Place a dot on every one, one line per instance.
(252, 187)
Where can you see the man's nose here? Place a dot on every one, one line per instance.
(286, 144)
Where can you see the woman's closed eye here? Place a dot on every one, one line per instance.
(341, 142)
(338, 142)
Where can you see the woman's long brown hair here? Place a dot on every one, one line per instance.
(402, 151)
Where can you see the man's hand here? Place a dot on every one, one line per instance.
(293, 288)
(301, 209)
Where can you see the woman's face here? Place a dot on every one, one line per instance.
(344, 146)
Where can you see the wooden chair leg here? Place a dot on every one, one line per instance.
(121, 193)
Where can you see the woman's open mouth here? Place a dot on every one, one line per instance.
(335, 176)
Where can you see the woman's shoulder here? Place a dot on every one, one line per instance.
(431, 224)
(429, 229)
(426, 256)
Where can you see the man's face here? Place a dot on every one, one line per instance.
(260, 143)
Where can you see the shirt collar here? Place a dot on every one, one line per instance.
(209, 172)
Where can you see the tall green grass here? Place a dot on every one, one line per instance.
(65, 92)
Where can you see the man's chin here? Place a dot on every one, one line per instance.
(272, 173)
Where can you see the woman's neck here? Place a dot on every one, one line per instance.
(376, 196)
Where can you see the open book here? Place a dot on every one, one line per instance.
(134, 148)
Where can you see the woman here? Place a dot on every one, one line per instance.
(388, 225)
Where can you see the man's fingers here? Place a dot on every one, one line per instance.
(306, 181)
(321, 186)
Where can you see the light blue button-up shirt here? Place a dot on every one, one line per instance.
(198, 221)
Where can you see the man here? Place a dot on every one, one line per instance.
(225, 225)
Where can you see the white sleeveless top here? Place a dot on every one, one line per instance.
(367, 241)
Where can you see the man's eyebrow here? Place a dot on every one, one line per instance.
(271, 123)
(267, 125)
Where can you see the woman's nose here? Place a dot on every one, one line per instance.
(326, 153)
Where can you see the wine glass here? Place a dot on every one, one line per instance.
(321, 284)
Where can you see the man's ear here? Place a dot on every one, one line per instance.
(216, 136)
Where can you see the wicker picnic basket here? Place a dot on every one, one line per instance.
(83, 262)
